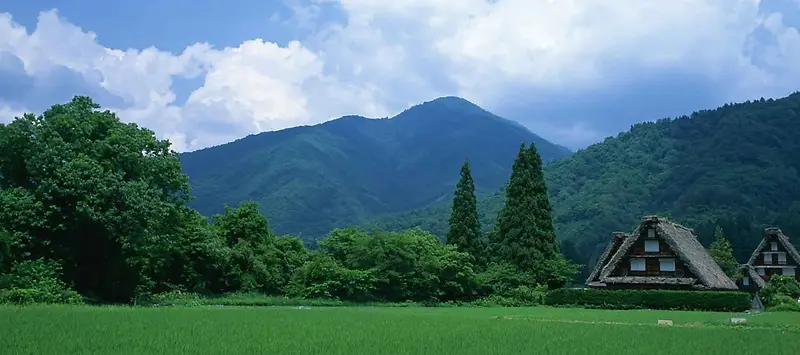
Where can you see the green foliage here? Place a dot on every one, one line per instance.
(76, 183)
(324, 277)
(783, 303)
(525, 236)
(36, 281)
(465, 228)
(722, 252)
(410, 265)
(254, 259)
(719, 301)
(777, 286)
(173, 298)
(737, 167)
(309, 180)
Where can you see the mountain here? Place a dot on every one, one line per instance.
(737, 166)
(308, 180)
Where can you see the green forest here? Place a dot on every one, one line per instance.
(309, 180)
(737, 167)
(93, 209)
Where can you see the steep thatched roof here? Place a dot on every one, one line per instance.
(684, 243)
(778, 235)
(749, 271)
(616, 240)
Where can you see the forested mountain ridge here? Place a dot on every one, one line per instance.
(308, 180)
(736, 166)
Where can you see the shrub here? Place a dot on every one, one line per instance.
(786, 307)
(27, 296)
(176, 298)
(779, 285)
(37, 281)
(784, 303)
(323, 277)
(725, 301)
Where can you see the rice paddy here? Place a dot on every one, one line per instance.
(44, 330)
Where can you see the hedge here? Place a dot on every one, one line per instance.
(723, 301)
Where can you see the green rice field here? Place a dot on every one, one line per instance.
(43, 330)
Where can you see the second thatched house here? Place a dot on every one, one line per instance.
(658, 254)
(775, 255)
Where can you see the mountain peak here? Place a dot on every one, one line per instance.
(452, 103)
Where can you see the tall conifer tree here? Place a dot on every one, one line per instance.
(524, 234)
(722, 252)
(465, 227)
(546, 232)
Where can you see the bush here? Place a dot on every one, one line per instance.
(27, 296)
(786, 307)
(323, 277)
(176, 298)
(36, 281)
(784, 303)
(723, 301)
(780, 285)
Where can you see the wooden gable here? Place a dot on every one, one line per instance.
(775, 255)
(650, 255)
(662, 254)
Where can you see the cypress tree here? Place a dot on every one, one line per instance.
(525, 235)
(542, 210)
(465, 227)
(722, 252)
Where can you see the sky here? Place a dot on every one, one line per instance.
(202, 73)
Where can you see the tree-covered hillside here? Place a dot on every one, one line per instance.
(309, 180)
(94, 209)
(737, 166)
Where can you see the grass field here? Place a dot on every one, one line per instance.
(44, 330)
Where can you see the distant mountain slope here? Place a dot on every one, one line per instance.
(737, 166)
(311, 179)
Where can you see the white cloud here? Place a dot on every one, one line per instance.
(391, 53)
(561, 45)
(254, 87)
(7, 114)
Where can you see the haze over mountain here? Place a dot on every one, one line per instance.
(311, 179)
(737, 166)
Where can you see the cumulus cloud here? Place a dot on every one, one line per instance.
(254, 87)
(386, 56)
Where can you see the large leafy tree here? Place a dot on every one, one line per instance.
(81, 187)
(465, 227)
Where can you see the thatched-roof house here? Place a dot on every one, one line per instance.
(750, 281)
(775, 255)
(658, 254)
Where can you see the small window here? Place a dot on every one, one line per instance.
(782, 258)
(651, 233)
(767, 258)
(774, 246)
(788, 271)
(651, 246)
(667, 264)
(638, 264)
(761, 271)
(746, 281)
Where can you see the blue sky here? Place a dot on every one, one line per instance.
(204, 73)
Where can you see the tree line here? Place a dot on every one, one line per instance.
(95, 208)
